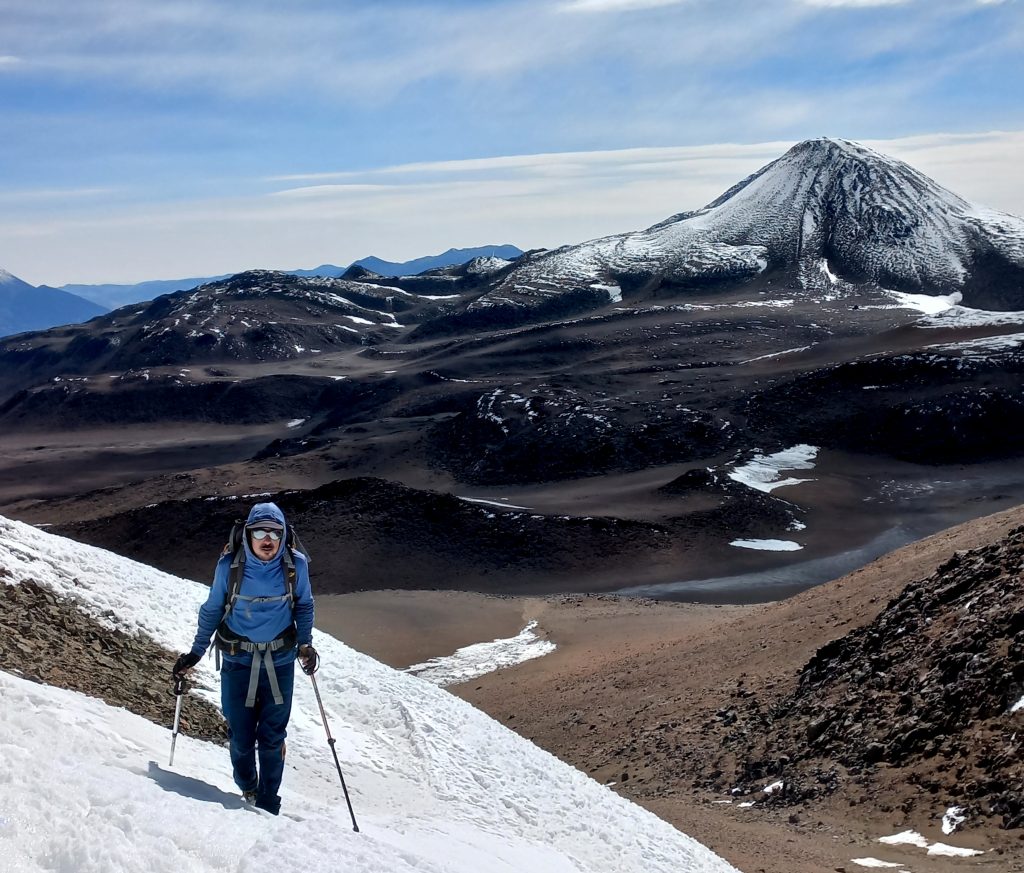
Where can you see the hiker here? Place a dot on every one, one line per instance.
(261, 609)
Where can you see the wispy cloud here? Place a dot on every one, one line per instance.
(616, 5)
(856, 3)
(52, 194)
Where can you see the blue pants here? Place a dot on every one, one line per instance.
(261, 728)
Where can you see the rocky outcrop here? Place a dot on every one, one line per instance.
(922, 702)
(48, 639)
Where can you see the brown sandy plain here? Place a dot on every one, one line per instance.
(622, 664)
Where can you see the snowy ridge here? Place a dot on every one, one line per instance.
(437, 786)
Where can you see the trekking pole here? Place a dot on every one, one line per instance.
(330, 742)
(179, 692)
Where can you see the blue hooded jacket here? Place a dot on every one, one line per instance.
(259, 622)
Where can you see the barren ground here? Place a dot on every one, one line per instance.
(623, 665)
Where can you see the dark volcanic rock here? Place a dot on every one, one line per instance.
(49, 639)
(547, 432)
(137, 397)
(932, 406)
(367, 534)
(921, 696)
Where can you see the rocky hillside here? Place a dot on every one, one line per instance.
(46, 638)
(921, 709)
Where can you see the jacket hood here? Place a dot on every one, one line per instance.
(266, 512)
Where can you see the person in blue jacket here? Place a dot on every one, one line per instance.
(260, 610)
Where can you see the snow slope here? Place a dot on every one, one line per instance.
(436, 785)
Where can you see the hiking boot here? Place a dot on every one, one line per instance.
(249, 797)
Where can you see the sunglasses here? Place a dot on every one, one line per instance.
(258, 534)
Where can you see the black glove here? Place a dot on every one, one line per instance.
(309, 660)
(184, 662)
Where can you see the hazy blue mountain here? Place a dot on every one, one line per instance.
(113, 296)
(331, 271)
(431, 262)
(25, 307)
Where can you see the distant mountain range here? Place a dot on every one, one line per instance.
(24, 307)
(112, 296)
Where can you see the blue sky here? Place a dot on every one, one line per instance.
(150, 139)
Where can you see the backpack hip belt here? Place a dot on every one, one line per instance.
(262, 653)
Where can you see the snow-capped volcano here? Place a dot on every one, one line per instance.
(869, 216)
(827, 210)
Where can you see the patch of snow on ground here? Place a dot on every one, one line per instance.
(823, 266)
(777, 354)
(953, 818)
(1018, 705)
(961, 316)
(913, 838)
(763, 472)
(491, 502)
(296, 422)
(953, 851)
(768, 545)
(983, 345)
(436, 785)
(614, 292)
(773, 787)
(905, 838)
(873, 862)
(482, 658)
(929, 304)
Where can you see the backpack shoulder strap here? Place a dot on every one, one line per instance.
(289, 575)
(237, 569)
